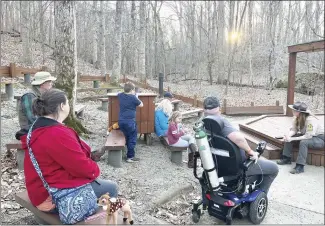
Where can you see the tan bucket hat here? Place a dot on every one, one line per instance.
(41, 77)
(300, 106)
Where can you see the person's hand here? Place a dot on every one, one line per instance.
(253, 155)
(286, 138)
(97, 154)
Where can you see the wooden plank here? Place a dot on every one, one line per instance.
(87, 78)
(144, 114)
(291, 82)
(313, 159)
(115, 109)
(12, 70)
(309, 159)
(14, 144)
(185, 113)
(20, 71)
(254, 110)
(317, 159)
(4, 71)
(322, 162)
(307, 47)
(115, 140)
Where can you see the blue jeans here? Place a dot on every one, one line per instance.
(129, 129)
(100, 187)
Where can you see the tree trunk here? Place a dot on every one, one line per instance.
(66, 59)
(117, 62)
(1, 27)
(102, 59)
(142, 43)
(42, 35)
(94, 34)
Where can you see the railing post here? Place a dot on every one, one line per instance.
(161, 84)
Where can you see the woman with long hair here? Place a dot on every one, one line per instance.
(162, 113)
(305, 128)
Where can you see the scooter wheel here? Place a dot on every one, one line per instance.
(258, 208)
(196, 216)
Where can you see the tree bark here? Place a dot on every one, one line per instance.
(117, 62)
(66, 59)
(142, 43)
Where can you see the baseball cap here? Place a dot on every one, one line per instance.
(211, 102)
(168, 95)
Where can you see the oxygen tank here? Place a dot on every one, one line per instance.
(206, 155)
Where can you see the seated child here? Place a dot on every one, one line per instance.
(162, 114)
(177, 137)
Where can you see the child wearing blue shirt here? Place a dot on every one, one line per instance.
(129, 101)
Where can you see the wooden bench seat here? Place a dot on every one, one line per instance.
(20, 153)
(176, 153)
(53, 219)
(79, 110)
(188, 114)
(315, 157)
(104, 101)
(115, 144)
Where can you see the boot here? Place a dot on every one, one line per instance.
(190, 163)
(193, 149)
(298, 169)
(284, 160)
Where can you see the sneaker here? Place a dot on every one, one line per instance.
(134, 159)
(298, 169)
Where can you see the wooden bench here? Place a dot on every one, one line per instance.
(176, 153)
(53, 219)
(79, 110)
(115, 144)
(20, 153)
(104, 103)
(315, 157)
(188, 114)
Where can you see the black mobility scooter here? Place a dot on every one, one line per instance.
(237, 195)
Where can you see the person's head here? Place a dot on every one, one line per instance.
(211, 105)
(43, 81)
(176, 117)
(52, 103)
(168, 96)
(166, 106)
(301, 112)
(129, 87)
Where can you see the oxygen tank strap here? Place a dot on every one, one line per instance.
(210, 170)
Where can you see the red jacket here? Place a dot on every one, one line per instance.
(174, 133)
(63, 158)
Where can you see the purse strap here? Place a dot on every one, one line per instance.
(33, 159)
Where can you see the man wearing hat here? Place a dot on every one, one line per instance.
(42, 81)
(264, 167)
(305, 128)
(168, 96)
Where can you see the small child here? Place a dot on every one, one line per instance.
(129, 101)
(177, 137)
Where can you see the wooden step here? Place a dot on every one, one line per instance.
(270, 152)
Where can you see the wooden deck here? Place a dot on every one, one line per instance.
(268, 127)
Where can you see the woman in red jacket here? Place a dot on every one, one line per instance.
(64, 159)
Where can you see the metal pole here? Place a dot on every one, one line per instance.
(161, 85)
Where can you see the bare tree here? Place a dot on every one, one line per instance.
(116, 72)
(66, 59)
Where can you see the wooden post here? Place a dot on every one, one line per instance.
(195, 101)
(96, 84)
(107, 78)
(224, 106)
(27, 78)
(161, 84)
(9, 90)
(12, 70)
(44, 68)
(252, 104)
(291, 82)
(277, 103)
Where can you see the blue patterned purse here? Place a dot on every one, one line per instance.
(73, 204)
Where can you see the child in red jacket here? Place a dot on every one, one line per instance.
(177, 136)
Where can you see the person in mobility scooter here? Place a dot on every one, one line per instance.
(232, 185)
